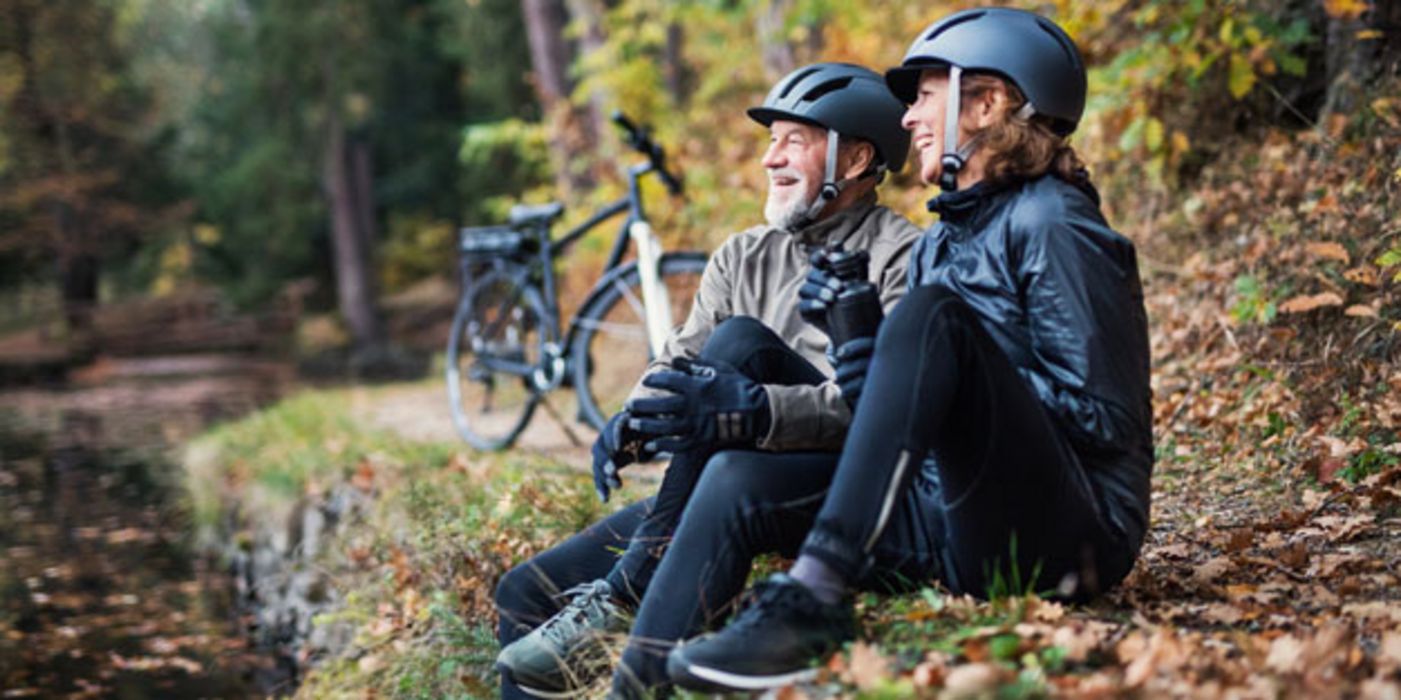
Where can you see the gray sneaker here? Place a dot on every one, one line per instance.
(566, 653)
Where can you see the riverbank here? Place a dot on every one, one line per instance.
(370, 542)
(1249, 583)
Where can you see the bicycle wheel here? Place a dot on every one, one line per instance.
(499, 335)
(610, 349)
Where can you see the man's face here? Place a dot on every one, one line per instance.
(925, 121)
(796, 161)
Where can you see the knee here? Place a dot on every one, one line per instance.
(517, 599)
(736, 338)
(923, 306)
(729, 476)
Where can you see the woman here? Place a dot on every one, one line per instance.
(1002, 436)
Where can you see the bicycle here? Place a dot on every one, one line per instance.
(505, 351)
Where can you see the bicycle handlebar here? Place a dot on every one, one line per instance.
(641, 141)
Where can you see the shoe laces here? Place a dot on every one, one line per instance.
(587, 602)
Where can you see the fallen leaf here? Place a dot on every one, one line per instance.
(971, 681)
(1389, 652)
(1363, 274)
(364, 478)
(1223, 613)
(1305, 302)
(1329, 251)
(1374, 610)
(1212, 569)
(867, 668)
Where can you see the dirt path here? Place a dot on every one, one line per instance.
(419, 411)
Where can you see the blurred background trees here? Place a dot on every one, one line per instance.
(154, 146)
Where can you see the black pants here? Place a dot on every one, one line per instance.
(1002, 473)
(530, 593)
(1016, 502)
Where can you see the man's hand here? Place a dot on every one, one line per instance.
(711, 404)
(853, 362)
(616, 447)
(830, 273)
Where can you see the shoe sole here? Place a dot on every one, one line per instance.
(564, 694)
(716, 679)
(551, 694)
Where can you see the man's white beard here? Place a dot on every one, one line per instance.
(788, 210)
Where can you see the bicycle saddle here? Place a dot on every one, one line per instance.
(533, 214)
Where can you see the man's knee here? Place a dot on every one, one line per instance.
(518, 600)
(736, 338)
(728, 478)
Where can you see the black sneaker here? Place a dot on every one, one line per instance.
(771, 643)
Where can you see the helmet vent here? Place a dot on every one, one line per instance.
(830, 86)
(945, 26)
(1059, 38)
(794, 82)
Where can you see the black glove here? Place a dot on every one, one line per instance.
(711, 405)
(830, 273)
(853, 362)
(616, 447)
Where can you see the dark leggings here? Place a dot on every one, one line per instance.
(530, 593)
(1016, 497)
(940, 386)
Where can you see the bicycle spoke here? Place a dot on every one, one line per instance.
(629, 330)
(632, 299)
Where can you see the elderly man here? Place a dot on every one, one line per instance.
(745, 372)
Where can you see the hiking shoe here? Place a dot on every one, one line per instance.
(770, 644)
(566, 653)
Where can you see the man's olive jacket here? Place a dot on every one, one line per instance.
(757, 273)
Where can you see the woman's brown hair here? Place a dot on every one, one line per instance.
(1020, 148)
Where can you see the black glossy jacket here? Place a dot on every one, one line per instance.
(1059, 292)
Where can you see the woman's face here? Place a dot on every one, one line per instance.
(925, 121)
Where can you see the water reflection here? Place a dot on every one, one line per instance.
(100, 594)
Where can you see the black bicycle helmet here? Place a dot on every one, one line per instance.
(845, 98)
(1027, 49)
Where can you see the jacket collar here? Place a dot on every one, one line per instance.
(837, 227)
(962, 205)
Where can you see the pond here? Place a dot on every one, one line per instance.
(102, 593)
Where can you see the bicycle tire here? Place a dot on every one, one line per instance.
(611, 326)
(499, 334)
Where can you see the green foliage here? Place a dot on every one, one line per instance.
(1252, 304)
(1174, 71)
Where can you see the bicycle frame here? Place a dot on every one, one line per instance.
(631, 203)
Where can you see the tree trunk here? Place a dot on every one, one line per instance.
(775, 52)
(571, 133)
(678, 78)
(346, 190)
(1359, 51)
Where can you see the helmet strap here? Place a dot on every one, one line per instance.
(831, 186)
(954, 158)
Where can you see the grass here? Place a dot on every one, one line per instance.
(414, 568)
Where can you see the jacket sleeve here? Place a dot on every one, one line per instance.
(1084, 310)
(817, 417)
(711, 306)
